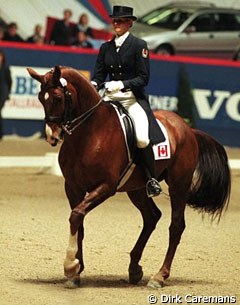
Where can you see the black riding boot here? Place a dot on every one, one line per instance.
(152, 187)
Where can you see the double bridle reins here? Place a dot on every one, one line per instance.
(70, 126)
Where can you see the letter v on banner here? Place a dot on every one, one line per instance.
(205, 110)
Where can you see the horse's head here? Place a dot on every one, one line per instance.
(56, 100)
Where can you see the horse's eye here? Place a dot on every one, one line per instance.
(57, 98)
(46, 96)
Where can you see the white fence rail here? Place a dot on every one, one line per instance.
(50, 161)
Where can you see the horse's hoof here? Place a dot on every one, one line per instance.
(155, 284)
(135, 276)
(72, 283)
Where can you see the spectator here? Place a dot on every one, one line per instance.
(1, 34)
(11, 33)
(5, 85)
(62, 30)
(82, 41)
(83, 26)
(37, 35)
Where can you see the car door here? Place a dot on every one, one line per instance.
(227, 33)
(211, 34)
(198, 36)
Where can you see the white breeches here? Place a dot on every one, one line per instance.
(140, 120)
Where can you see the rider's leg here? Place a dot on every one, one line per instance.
(153, 187)
(147, 157)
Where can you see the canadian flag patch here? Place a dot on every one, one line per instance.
(162, 150)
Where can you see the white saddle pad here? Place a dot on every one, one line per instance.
(162, 150)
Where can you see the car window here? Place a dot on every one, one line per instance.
(216, 22)
(204, 23)
(170, 18)
(228, 22)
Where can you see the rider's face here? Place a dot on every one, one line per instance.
(121, 25)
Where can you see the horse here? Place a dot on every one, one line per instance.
(93, 156)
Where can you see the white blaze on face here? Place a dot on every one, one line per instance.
(46, 96)
(48, 131)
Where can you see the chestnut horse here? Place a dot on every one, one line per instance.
(93, 156)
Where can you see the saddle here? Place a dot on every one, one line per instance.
(161, 150)
(128, 129)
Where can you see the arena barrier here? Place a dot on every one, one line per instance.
(234, 163)
(50, 163)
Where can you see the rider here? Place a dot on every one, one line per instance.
(125, 60)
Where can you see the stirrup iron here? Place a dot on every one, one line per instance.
(153, 188)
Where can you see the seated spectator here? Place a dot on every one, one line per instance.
(37, 35)
(82, 41)
(1, 33)
(62, 32)
(11, 33)
(83, 26)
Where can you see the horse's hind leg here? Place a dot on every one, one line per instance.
(150, 214)
(177, 226)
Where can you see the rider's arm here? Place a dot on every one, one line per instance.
(100, 70)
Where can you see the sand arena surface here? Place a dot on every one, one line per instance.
(34, 235)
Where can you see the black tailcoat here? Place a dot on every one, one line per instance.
(130, 65)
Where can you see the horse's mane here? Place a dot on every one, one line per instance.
(71, 72)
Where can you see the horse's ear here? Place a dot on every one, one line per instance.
(35, 75)
(56, 75)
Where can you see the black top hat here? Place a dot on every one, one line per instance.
(123, 12)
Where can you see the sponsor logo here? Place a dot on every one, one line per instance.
(210, 103)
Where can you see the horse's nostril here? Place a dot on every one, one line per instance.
(55, 142)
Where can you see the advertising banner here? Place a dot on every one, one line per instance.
(208, 90)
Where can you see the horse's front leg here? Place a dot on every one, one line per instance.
(73, 264)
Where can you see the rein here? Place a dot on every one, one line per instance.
(70, 126)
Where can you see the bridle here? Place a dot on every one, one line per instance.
(70, 126)
(67, 123)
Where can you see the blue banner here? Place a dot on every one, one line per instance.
(215, 87)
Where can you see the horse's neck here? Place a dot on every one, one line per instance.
(86, 98)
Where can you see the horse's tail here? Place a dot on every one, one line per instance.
(211, 184)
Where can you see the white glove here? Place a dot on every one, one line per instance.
(114, 86)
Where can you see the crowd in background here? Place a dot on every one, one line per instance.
(63, 33)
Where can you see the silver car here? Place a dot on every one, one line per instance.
(188, 29)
